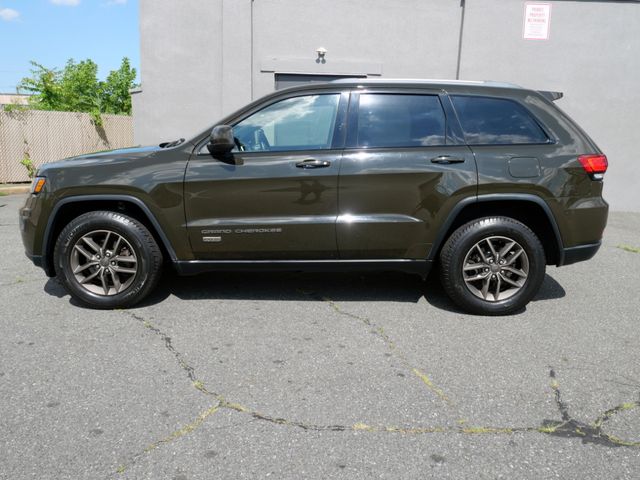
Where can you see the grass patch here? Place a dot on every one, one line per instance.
(628, 248)
(482, 430)
(548, 429)
(628, 406)
(362, 426)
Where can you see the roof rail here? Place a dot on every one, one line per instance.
(426, 81)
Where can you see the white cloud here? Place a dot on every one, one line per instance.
(8, 14)
(70, 3)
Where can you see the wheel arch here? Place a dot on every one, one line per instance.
(71, 207)
(529, 209)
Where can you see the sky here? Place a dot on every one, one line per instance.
(52, 31)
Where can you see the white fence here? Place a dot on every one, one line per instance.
(44, 136)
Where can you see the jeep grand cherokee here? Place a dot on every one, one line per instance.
(491, 180)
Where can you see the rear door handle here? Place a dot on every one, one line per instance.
(313, 163)
(446, 159)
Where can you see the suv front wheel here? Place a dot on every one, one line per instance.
(492, 266)
(107, 260)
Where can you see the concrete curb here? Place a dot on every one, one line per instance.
(11, 189)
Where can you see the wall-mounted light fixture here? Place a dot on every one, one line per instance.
(321, 54)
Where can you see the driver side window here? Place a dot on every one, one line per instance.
(299, 123)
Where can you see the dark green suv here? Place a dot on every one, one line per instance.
(492, 181)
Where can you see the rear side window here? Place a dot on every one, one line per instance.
(394, 120)
(496, 121)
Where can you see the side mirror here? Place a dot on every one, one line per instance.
(221, 140)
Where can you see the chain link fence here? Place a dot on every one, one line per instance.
(43, 136)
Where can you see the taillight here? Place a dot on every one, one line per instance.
(594, 165)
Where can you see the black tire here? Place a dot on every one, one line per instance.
(467, 248)
(136, 246)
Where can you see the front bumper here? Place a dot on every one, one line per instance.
(36, 259)
(31, 223)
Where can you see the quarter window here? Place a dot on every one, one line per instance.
(299, 123)
(496, 121)
(395, 120)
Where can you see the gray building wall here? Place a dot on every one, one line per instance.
(181, 61)
(205, 58)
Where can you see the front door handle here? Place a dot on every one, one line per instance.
(446, 159)
(313, 163)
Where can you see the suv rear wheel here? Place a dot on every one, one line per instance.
(492, 266)
(107, 260)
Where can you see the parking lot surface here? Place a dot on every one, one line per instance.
(321, 376)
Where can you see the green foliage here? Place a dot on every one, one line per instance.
(96, 118)
(76, 88)
(45, 85)
(79, 86)
(15, 107)
(28, 164)
(115, 90)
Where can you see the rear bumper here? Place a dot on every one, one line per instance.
(579, 254)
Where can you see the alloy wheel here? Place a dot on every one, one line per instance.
(103, 262)
(495, 268)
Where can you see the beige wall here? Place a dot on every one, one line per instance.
(13, 99)
(49, 136)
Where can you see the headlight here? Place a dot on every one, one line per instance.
(38, 184)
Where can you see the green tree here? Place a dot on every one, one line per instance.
(115, 90)
(80, 88)
(44, 84)
(77, 89)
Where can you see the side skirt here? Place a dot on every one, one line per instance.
(194, 267)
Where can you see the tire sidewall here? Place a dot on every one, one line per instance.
(103, 221)
(488, 227)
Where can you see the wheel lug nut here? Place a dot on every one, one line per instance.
(113, 263)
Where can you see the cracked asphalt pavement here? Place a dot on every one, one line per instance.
(321, 376)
